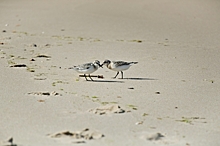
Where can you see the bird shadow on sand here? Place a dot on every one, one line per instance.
(108, 81)
(148, 79)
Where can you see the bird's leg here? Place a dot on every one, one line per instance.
(121, 74)
(85, 77)
(90, 77)
(116, 74)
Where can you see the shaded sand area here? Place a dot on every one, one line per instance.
(171, 97)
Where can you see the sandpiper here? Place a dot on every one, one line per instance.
(118, 66)
(87, 68)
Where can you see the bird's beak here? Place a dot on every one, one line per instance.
(100, 65)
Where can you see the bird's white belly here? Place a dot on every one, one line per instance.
(120, 68)
(86, 71)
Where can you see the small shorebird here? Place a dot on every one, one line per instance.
(118, 66)
(87, 68)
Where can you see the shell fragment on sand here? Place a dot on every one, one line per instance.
(77, 136)
(8, 142)
(107, 109)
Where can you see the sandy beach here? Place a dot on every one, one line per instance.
(171, 97)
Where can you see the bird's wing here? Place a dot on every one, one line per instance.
(120, 63)
(85, 66)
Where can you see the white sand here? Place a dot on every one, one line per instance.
(175, 43)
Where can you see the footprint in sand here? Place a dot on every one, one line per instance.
(159, 138)
(78, 136)
(154, 137)
(107, 109)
